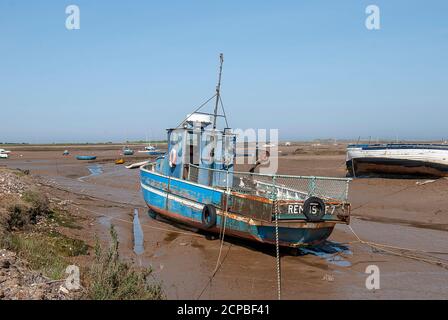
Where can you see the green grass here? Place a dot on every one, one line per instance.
(47, 252)
(64, 219)
(113, 279)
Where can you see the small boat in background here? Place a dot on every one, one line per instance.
(86, 157)
(4, 154)
(119, 161)
(128, 151)
(137, 164)
(393, 159)
(152, 151)
(155, 153)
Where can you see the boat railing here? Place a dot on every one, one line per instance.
(272, 186)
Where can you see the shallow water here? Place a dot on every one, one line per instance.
(95, 170)
(330, 251)
(138, 234)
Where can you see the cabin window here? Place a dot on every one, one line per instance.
(208, 150)
(219, 149)
(193, 147)
(229, 150)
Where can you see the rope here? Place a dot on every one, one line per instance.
(196, 110)
(222, 232)
(223, 111)
(118, 204)
(218, 261)
(277, 251)
(218, 264)
(390, 249)
(99, 214)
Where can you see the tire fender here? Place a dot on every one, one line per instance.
(208, 216)
(314, 209)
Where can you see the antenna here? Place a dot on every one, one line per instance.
(218, 88)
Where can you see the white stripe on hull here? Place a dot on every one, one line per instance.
(196, 205)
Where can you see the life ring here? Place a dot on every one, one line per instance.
(208, 216)
(173, 158)
(314, 209)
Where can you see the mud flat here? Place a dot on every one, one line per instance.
(396, 212)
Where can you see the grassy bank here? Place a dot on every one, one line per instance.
(30, 228)
(38, 232)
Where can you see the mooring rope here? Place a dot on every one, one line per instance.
(99, 214)
(222, 232)
(218, 261)
(390, 249)
(277, 251)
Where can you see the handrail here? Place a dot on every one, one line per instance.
(274, 175)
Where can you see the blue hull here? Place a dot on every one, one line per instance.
(185, 200)
(85, 157)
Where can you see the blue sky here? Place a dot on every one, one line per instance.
(308, 68)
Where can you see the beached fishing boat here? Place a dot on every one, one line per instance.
(4, 154)
(137, 164)
(86, 157)
(195, 183)
(397, 159)
(155, 153)
(119, 161)
(128, 151)
(152, 151)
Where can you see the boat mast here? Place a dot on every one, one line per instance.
(218, 88)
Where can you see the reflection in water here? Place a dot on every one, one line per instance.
(331, 252)
(138, 234)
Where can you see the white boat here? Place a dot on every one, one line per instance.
(137, 164)
(4, 154)
(397, 159)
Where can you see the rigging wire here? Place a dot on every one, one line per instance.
(197, 109)
(223, 111)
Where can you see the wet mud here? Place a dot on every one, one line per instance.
(397, 212)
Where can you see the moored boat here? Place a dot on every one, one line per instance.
(128, 151)
(86, 157)
(393, 159)
(195, 183)
(4, 154)
(137, 164)
(155, 153)
(119, 161)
